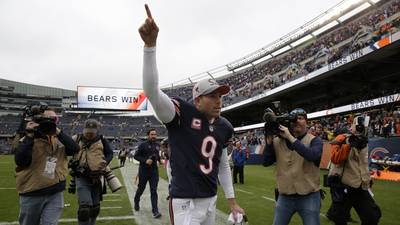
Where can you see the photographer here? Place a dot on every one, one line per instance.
(88, 168)
(148, 155)
(297, 155)
(41, 159)
(122, 156)
(349, 177)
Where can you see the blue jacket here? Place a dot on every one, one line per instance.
(239, 157)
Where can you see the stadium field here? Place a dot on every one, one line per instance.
(257, 194)
(116, 206)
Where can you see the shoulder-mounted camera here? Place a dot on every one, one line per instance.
(34, 113)
(272, 121)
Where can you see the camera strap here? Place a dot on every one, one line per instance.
(53, 145)
(344, 166)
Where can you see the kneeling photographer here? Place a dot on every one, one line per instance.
(297, 155)
(41, 159)
(87, 169)
(349, 177)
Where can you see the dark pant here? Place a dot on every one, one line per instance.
(122, 161)
(236, 170)
(332, 208)
(89, 195)
(152, 178)
(365, 206)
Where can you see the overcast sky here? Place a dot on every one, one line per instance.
(96, 43)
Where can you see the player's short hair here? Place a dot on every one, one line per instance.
(150, 130)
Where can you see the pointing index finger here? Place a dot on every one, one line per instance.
(148, 11)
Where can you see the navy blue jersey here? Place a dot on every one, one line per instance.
(196, 149)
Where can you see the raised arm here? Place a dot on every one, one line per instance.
(162, 104)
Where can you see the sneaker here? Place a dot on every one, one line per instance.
(137, 208)
(156, 215)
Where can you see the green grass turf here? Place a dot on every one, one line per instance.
(9, 198)
(260, 181)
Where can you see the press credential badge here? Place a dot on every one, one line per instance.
(50, 168)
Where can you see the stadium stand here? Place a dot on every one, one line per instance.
(383, 122)
(14, 96)
(362, 30)
(330, 46)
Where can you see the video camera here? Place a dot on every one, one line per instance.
(272, 121)
(34, 113)
(358, 141)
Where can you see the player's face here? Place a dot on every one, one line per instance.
(90, 135)
(152, 135)
(238, 145)
(299, 127)
(210, 104)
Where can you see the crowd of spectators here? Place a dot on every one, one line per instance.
(333, 45)
(125, 126)
(112, 126)
(5, 145)
(122, 131)
(383, 123)
(126, 132)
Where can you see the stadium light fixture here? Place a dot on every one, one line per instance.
(262, 59)
(282, 50)
(354, 12)
(325, 28)
(301, 40)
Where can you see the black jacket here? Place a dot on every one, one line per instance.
(148, 150)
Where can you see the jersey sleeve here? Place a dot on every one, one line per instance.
(178, 105)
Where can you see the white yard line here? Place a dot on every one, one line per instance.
(112, 200)
(70, 220)
(273, 200)
(111, 207)
(247, 192)
(109, 195)
(269, 199)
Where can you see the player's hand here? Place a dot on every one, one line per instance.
(149, 162)
(235, 208)
(30, 126)
(149, 30)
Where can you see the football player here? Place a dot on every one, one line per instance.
(197, 137)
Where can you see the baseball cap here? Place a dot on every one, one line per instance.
(91, 125)
(207, 86)
(299, 112)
